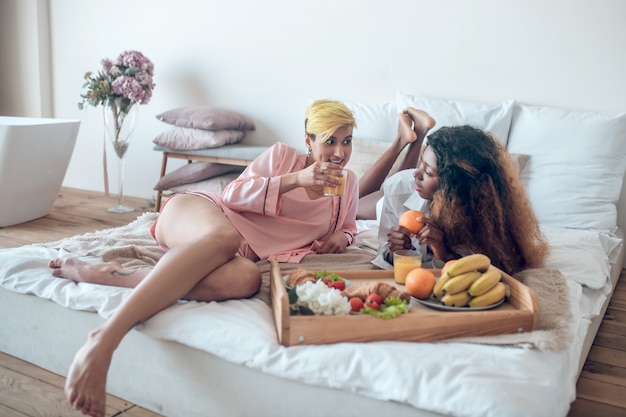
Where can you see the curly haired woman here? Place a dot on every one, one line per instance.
(473, 202)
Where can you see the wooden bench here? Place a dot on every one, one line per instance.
(237, 154)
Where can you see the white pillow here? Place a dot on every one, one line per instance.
(581, 255)
(575, 173)
(492, 118)
(377, 122)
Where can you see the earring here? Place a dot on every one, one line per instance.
(308, 153)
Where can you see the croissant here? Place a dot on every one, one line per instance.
(381, 288)
(300, 276)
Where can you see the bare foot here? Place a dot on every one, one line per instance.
(108, 273)
(405, 130)
(85, 387)
(422, 122)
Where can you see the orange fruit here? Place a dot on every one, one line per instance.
(408, 220)
(446, 266)
(420, 283)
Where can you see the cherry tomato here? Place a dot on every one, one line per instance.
(375, 297)
(327, 281)
(356, 304)
(370, 302)
(340, 285)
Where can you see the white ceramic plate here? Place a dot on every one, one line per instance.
(437, 305)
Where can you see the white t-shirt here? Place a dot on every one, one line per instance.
(399, 196)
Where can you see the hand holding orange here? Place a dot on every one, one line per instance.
(408, 220)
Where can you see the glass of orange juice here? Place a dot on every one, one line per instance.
(405, 260)
(338, 190)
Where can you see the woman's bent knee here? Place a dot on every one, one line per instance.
(250, 282)
(241, 278)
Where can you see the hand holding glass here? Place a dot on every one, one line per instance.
(338, 190)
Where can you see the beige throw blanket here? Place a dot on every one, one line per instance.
(132, 246)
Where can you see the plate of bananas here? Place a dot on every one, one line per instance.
(437, 304)
(469, 284)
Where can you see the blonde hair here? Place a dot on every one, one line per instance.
(325, 116)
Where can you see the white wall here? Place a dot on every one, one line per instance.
(266, 59)
(25, 76)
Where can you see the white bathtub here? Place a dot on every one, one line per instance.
(34, 155)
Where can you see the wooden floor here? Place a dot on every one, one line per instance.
(26, 390)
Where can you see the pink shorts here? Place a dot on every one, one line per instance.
(244, 250)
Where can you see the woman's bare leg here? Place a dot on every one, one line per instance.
(422, 123)
(413, 125)
(239, 271)
(192, 227)
(104, 273)
(366, 209)
(114, 274)
(374, 177)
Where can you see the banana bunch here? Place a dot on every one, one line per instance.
(470, 281)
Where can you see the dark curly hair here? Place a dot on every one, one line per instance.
(481, 204)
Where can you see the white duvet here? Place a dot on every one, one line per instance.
(459, 379)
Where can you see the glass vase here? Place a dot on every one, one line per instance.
(120, 116)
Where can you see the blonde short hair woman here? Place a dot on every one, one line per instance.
(274, 210)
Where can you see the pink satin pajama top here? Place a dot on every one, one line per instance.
(285, 227)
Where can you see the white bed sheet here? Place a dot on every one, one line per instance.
(458, 379)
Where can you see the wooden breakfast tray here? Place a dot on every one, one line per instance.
(520, 312)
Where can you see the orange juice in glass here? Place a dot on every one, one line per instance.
(338, 190)
(405, 261)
